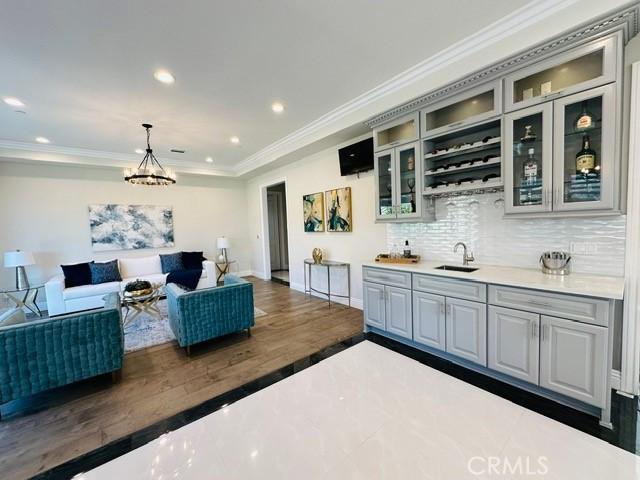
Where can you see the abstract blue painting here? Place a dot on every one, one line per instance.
(128, 227)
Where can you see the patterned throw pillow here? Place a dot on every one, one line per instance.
(105, 272)
(171, 262)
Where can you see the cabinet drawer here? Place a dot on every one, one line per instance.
(386, 277)
(582, 309)
(450, 287)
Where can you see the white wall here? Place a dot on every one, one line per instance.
(318, 173)
(45, 209)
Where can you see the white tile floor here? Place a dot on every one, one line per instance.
(370, 413)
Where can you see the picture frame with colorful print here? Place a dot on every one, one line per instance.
(313, 212)
(339, 218)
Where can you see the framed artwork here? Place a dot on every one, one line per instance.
(128, 227)
(339, 210)
(313, 211)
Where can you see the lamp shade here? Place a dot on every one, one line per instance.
(18, 258)
(223, 242)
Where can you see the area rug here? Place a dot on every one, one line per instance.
(146, 330)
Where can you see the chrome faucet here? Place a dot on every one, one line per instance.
(466, 258)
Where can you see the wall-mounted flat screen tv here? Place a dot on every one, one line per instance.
(356, 158)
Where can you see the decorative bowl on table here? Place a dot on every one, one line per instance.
(138, 288)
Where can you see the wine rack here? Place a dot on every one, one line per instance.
(464, 162)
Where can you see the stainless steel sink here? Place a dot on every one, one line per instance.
(456, 268)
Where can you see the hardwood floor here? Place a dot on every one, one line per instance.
(48, 429)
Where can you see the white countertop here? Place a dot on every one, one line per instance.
(599, 286)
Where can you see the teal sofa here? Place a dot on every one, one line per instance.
(39, 355)
(201, 315)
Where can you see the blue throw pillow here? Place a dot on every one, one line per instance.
(171, 262)
(105, 272)
(192, 260)
(76, 275)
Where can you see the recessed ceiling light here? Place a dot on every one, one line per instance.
(139, 151)
(164, 76)
(42, 140)
(13, 101)
(277, 107)
(208, 160)
(234, 140)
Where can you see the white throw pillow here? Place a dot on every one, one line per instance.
(139, 267)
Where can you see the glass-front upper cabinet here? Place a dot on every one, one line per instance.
(582, 68)
(384, 172)
(528, 150)
(408, 167)
(398, 187)
(398, 132)
(584, 153)
(471, 106)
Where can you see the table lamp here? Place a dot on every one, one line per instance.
(19, 260)
(223, 244)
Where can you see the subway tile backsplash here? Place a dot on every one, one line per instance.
(478, 221)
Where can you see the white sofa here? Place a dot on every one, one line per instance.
(62, 300)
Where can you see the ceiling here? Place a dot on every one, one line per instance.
(85, 69)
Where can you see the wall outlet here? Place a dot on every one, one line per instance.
(578, 248)
(583, 248)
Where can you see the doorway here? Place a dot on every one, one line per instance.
(278, 235)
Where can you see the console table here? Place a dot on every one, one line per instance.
(328, 264)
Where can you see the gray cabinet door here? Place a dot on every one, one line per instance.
(429, 319)
(467, 330)
(398, 314)
(573, 359)
(513, 343)
(374, 305)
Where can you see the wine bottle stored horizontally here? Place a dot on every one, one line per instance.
(586, 159)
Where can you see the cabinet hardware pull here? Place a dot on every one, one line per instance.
(442, 308)
(545, 333)
(534, 332)
(538, 302)
(448, 309)
(455, 124)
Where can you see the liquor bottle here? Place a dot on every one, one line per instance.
(407, 249)
(584, 121)
(529, 179)
(586, 158)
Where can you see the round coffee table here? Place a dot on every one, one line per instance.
(137, 304)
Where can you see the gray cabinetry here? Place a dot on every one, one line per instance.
(429, 319)
(374, 305)
(513, 343)
(573, 359)
(398, 311)
(398, 184)
(466, 328)
(387, 301)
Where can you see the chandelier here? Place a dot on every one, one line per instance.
(149, 172)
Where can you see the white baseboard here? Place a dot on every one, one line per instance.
(243, 273)
(355, 302)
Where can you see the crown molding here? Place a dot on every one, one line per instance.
(520, 19)
(84, 156)
(625, 19)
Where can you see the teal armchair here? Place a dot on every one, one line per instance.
(39, 355)
(211, 312)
